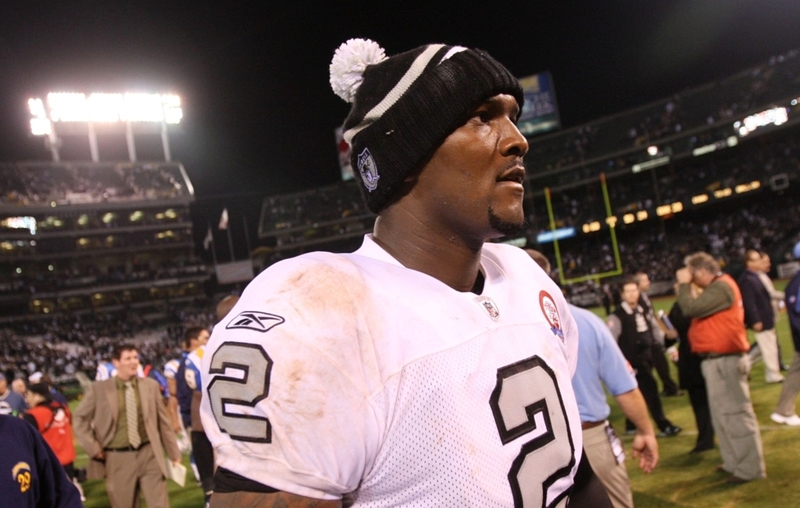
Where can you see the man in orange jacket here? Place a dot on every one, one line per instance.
(717, 334)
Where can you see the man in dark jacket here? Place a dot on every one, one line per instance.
(630, 326)
(759, 316)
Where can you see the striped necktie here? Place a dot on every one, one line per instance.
(132, 416)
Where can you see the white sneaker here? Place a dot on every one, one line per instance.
(791, 421)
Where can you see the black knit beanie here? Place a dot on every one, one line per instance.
(406, 105)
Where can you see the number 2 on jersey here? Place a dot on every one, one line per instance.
(526, 400)
(247, 389)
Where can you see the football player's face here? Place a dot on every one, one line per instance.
(472, 186)
(202, 338)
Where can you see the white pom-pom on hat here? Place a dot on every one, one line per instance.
(348, 65)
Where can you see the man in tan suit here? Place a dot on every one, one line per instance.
(123, 425)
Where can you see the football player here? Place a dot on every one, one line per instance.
(428, 368)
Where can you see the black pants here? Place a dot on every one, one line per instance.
(662, 367)
(203, 459)
(649, 389)
(702, 416)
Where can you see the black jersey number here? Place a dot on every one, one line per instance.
(240, 375)
(526, 400)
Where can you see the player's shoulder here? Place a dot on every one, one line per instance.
(307, 271)
(197, 354)
(305, 286)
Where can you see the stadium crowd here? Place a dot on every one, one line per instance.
(92, 276)
(31, 184)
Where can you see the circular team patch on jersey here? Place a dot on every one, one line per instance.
(550, 311)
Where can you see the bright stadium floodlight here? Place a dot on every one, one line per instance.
(774, 116)
(109, 107)
(103, 108)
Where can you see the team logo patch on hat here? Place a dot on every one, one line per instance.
(489, 306)
(550, 311)
(368, 170)
(255, 320)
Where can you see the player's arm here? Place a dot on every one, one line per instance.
(270, 500)
(645, 445)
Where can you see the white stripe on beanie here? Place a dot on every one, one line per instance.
(408, 79)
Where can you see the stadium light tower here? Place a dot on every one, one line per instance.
(78, 114)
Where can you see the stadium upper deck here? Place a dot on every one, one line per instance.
(75, 237)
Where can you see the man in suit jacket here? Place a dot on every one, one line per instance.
(759, 315)
(122, 424)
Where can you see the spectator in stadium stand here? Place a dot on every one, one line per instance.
(759, 316)
(633, 332)
(777, 299)
(785, 410)
(717, 334)
(691, 378)
(32, 475)
(54, 420)
(659, 356)
(600, 362)
(123, 426)
(11, 403)
(18, 385)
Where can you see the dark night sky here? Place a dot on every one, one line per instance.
(259, 113)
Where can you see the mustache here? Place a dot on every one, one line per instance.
(514, 163)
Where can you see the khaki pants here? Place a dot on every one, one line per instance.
(768, 348)
(732, 415)
(128, 473)
(612, 475)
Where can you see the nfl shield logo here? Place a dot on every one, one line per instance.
(368, 170)
(489, 306)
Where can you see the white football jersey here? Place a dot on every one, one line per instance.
(348, 373)
(171, 368)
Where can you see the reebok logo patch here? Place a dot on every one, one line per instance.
(255, 320)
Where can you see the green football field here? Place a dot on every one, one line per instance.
(680, 480)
